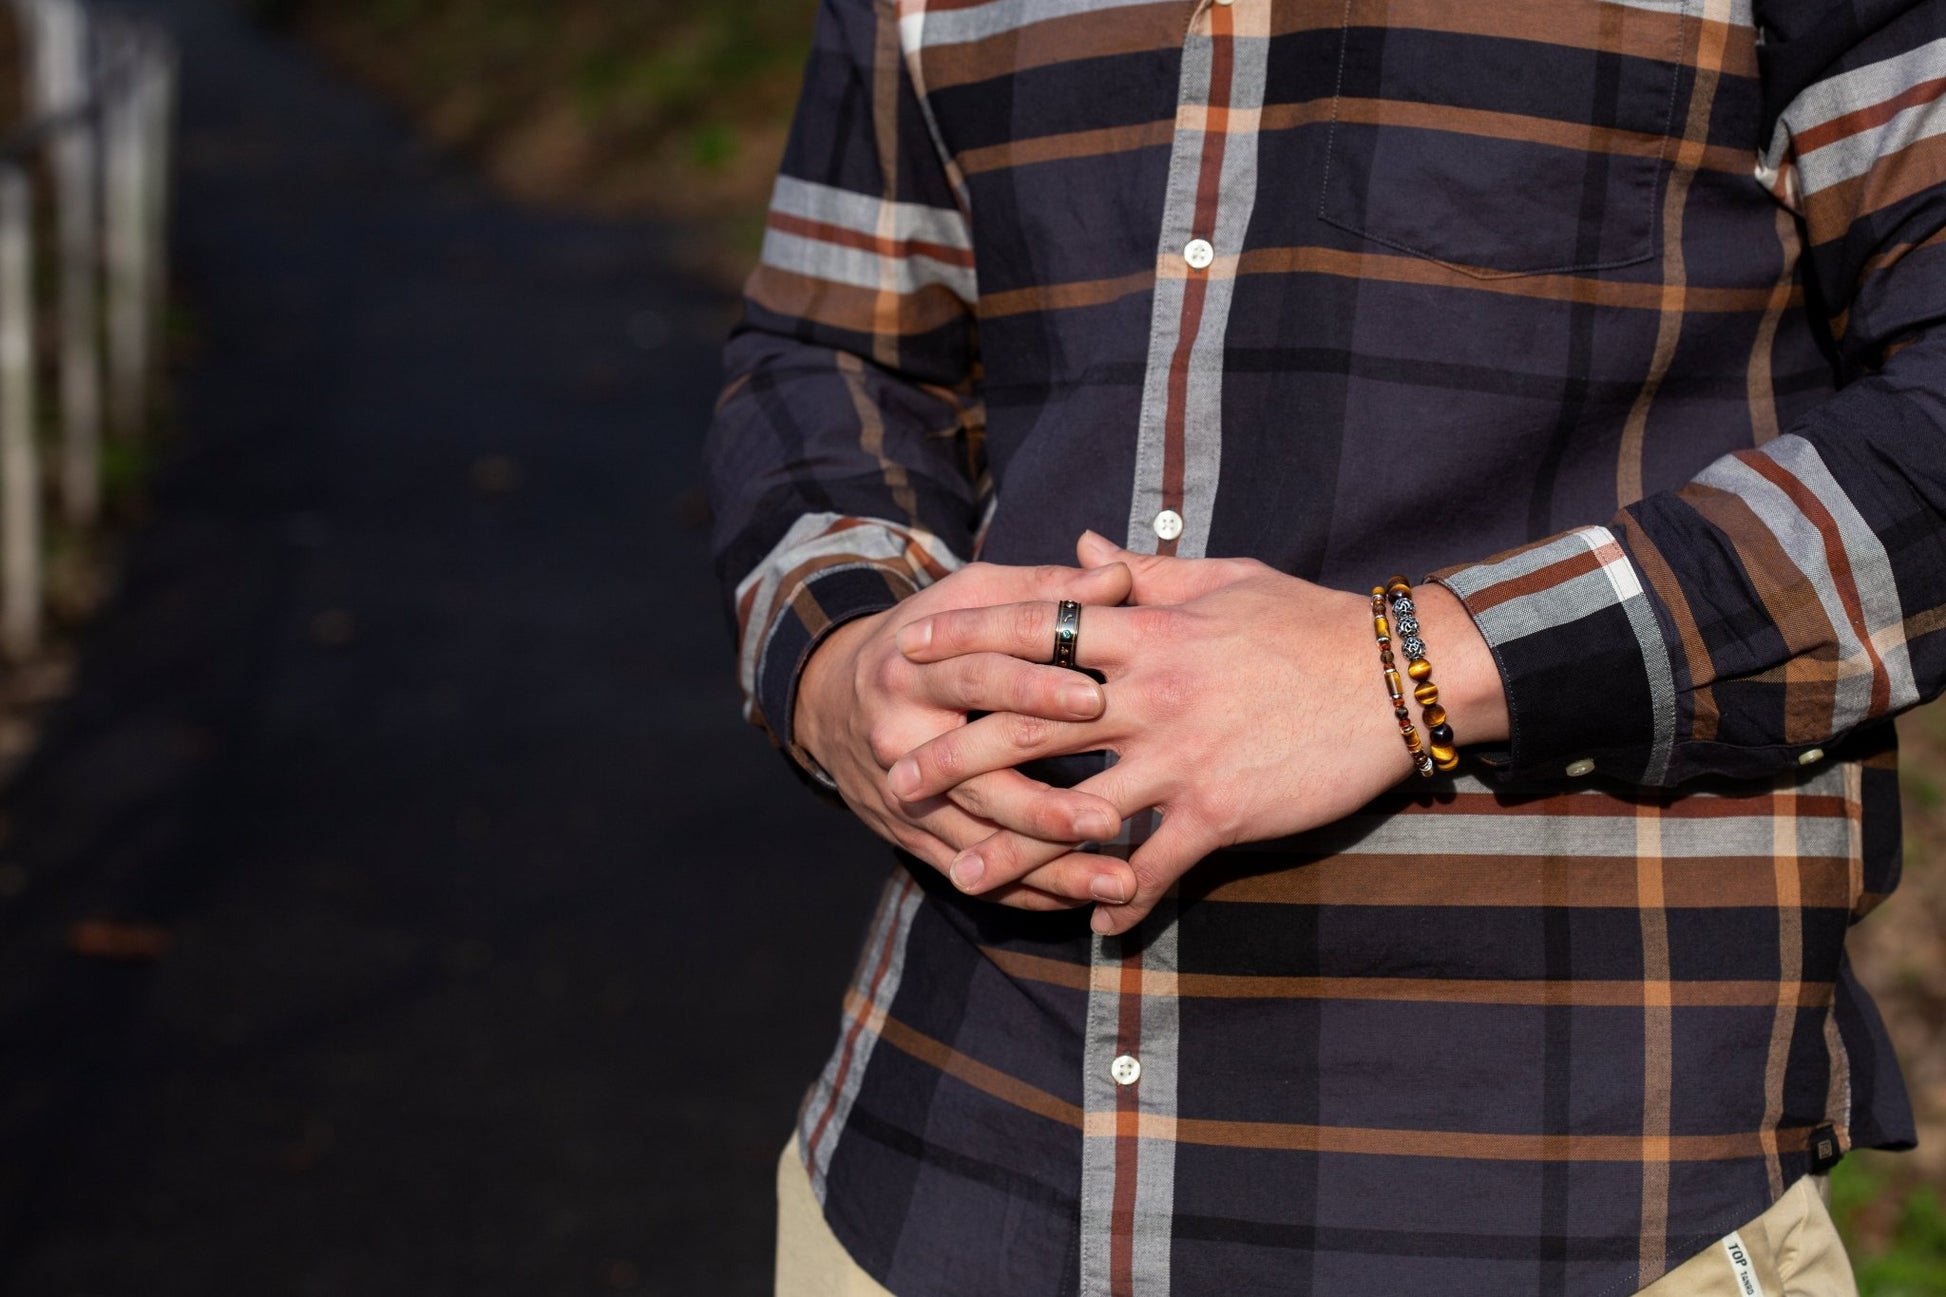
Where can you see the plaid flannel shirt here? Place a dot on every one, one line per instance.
(1617, 315)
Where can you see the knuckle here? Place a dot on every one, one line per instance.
(884, 744)
(1047, 576)
(972, 797)
(1027, 624)
(941, 758)
(1027, 733)
(1170, 693)
(1026, 691)
(1149, 625)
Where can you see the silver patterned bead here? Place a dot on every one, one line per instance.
(1402, 603)
(1414, 646)
(1407, 624)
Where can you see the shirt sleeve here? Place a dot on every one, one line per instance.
(1790, 593)
(843, 461)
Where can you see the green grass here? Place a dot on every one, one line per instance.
(1894, 1228)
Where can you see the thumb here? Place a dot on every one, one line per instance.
(1095, 550)
(1158, 580)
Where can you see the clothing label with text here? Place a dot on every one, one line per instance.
(1745, 1272)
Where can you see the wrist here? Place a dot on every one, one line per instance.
(824, 685)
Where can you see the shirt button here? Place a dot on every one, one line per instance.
(1810, 755)
(1585, 766)
(1199, 254)
(1168, 524)
(1126, 1070)
(1226, 3)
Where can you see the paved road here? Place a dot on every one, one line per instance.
(502, 949)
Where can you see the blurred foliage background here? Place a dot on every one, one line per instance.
(624, 108)
(678, 112)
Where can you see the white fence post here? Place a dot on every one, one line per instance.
(63, 83)
(126, 187)
(20, 524)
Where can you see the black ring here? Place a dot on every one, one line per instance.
(1067, 633)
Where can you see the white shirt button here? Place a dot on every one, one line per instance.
(1810, 755)
(1126, 1070)
(1168, 524)
(1199, 254)
(1226, 3)
(1585, 766)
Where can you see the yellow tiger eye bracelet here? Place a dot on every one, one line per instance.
(1421, 760)
(1397, 591)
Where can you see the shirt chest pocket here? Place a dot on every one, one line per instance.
(1505, 139)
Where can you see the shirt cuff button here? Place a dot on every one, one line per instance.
(1585, 766)
(1810, 755)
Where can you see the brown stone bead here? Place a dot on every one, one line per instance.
(1382, 627)
(1402, 713)
(1435, 715)
(1385, 656)
(1392, 685)
(1419, 669)
(1398, 585)
(1427, 694)
(1411, 737)
(1444, 757)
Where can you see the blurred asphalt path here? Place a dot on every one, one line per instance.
(502, 949)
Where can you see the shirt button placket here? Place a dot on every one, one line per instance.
(1198, 253)
(1126, 1070)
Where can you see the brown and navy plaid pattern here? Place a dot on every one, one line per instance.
(1617, 315)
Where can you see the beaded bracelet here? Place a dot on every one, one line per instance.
(1439, 734)
(1420, 761)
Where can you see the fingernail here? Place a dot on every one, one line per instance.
(904, 777)
(1094, 826)
(915, 637)
(1080, 699)
(1107, 887)
(967, 871)
(1102, 922)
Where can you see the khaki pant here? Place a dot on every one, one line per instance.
(1792, 1250)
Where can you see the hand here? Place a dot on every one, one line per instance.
(861, 705)
(1245, 704)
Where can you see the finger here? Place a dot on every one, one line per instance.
(994, 682)
(997, 742)
(1159, 580)
(1021, 805)
(937, 831)
(1098, 583)
(1019, 630)
(1009, 858)
(1175, 847)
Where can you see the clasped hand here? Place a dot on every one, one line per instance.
(1242, 703)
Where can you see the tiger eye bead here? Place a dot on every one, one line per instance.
(1382, 627)
(1426, 694)
(1419, 669)
(1402, 713)
(1441, 733)
(1392, 685)
(1435, 715)
(1396, 585)
(1411, 737)
(1444, 757)
(1385, 656)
